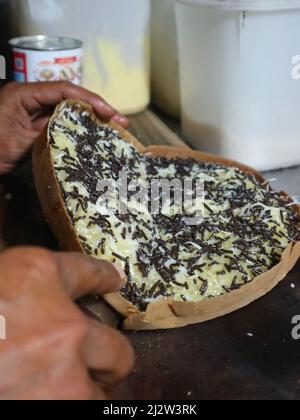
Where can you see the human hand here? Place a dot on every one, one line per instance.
(53, 351)
(26, 108)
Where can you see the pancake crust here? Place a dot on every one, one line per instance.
(177, 274)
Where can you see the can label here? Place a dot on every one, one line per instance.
(48, 66)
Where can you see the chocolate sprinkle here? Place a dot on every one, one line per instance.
(171, 258)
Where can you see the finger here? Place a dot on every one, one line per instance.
(50, 93)
(57, 383)
(39, 124)
(107, 353)
(121, 120)
(41, 119)
(82, 275)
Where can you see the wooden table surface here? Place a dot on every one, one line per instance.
(249, 354)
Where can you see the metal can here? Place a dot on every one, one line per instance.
(43, 58)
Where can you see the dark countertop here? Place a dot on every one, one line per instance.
(249, 354)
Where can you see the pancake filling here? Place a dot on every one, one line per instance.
(242, 233)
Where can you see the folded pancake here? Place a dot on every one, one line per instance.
(229, 237)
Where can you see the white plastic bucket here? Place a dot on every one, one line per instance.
(165, 60)
(116, 35)
(240, 87)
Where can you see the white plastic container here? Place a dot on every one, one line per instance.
(239, 87)
(116, 35)
(165, 60)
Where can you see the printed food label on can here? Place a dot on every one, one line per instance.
(48, 66)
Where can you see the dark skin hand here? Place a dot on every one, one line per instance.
(53, 351)
(26, 108)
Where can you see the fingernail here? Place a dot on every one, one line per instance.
(120, 271)
(121, 120)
